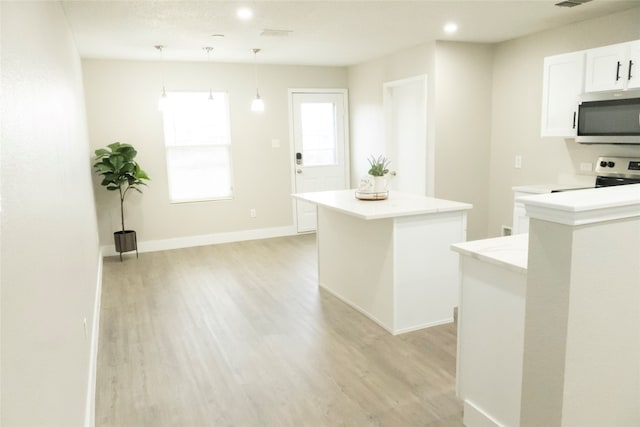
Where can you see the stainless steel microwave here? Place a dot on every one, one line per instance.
(609, 118)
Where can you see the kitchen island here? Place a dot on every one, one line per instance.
(491, 318)
(390, 259)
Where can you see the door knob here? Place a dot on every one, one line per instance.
(298, 170)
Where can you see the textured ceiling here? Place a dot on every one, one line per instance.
(321, 32)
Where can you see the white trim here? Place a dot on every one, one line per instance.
(90, 411)
(476, 417)
(423, 326)
(207, 239)
(586, 206)
(356, 307)
(574, 218)
(392, 331)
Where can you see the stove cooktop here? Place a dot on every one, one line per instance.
(618, 167)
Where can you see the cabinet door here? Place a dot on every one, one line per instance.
(563, 84)
(633, 65)
(606, 68)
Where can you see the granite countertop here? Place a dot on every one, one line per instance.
(396, 205)
(509, 252)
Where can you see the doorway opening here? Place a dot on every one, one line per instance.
(406, 136)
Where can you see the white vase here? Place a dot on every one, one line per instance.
(379, 184)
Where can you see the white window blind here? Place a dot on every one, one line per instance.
(198, 146)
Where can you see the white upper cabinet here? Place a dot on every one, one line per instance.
(633, 65)
(562, 87)
(613, 67)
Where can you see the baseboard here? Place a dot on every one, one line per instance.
(424, 326)
(476, 417)
(90, 410)
(207, 239)
(358, 309)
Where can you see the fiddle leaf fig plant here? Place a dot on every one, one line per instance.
(120, 171)
(379, 166)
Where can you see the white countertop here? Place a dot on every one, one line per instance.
(510, 252)
(585, 206)
(566, 182)
(397, 205)
(536, 189)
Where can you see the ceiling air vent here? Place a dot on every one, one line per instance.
(571, 3)
(275, 33)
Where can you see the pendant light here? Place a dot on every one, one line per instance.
(209, 49)
(257, 104)
(163, 102)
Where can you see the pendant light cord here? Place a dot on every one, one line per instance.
(255, 69)
(160, 48)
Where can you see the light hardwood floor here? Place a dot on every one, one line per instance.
(240, 335)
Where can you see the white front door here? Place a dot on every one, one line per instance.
(320, 156)
(405, 104)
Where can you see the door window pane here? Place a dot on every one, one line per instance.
(318, 134)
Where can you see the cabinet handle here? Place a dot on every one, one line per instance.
(574, 119)
(629, 74)
(618, 71)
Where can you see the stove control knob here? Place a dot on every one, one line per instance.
(611, 164)
(603, 164)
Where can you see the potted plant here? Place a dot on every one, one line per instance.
(121, 172)
(379, 168)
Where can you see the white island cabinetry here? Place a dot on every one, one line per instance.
(491, 321)
(390, 259)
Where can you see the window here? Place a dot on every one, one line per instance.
(198, 146)
(318, 133)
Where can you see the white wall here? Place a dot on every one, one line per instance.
(517, 100)
(459, 88)
(122, 100)
(50, 254)
(366, 108)
(463, 87)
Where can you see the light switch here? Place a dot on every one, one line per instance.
(518, 162)
(275, 143)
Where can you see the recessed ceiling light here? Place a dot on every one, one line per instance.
(244, 13)
(451, 28)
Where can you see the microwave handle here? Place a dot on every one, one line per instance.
(574, 120)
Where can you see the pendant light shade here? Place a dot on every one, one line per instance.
(257, 104)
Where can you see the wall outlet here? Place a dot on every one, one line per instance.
(252, 213)
(518, 162)
(586, 167)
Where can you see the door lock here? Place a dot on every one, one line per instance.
(298, 159)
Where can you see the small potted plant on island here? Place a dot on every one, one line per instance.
(121, 172)
(379, 168)
(373, 186)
